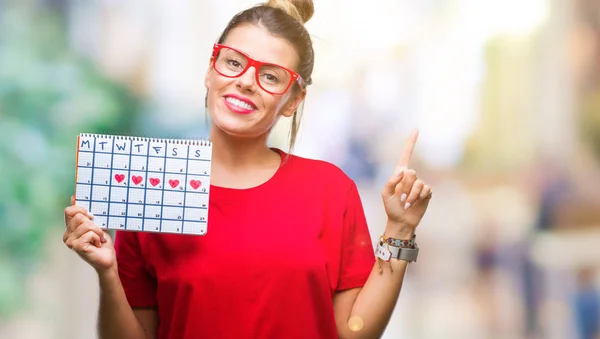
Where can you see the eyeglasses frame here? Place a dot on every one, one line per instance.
(257, 65)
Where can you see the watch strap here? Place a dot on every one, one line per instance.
(403, 253)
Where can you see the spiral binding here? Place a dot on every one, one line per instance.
(188, 142)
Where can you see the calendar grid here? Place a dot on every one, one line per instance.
(162, 200)
(126, 189)
(146, 190)
(200, 175)
(129, 178)
(166, 205)
(91, 182)
(112, 156)
(150, 156)
(104, 185)
(185, 190)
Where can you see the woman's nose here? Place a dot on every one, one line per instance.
(247, 80)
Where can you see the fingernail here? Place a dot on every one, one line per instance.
(399, 172)
(403, 197)
(407, 205)
(90, 215)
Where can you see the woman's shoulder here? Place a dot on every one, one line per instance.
(317, 170)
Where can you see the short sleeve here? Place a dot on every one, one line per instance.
(139, 285)
(357, 255)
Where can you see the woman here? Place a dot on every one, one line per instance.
(288, 252)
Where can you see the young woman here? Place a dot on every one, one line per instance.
(288, 252)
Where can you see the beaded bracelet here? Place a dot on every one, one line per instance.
(399, 242)
(389, 241)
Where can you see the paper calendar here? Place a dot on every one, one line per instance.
(144, 184)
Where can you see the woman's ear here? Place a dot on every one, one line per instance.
(208, 73)
(292, 105)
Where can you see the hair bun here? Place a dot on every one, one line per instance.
(301, 10)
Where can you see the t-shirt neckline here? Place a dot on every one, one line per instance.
(217, 190)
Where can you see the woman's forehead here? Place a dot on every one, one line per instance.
(260, 45)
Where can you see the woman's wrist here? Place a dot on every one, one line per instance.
(108, 274)
(396, 231)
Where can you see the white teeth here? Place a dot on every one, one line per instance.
(239, 103)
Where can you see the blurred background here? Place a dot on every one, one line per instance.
(506, 95)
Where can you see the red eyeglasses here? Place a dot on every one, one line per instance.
(274, 79)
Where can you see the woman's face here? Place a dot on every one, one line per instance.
(239, 106)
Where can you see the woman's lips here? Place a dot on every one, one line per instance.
(239, 104)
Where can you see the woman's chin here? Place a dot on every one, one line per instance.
(238, 126)
(236, 130)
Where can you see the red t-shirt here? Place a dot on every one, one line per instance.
(272, 259)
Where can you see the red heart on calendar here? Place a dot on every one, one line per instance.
(119, 177)
(173, 182)
(136, 179)
(195, 184)
(154, 181)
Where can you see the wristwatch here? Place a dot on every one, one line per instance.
(404, 253)
(407, 250)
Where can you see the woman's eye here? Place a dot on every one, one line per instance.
(270, 78)
(234, 63)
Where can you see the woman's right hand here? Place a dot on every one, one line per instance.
(89, 241)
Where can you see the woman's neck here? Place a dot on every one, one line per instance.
(241, 163)
(238, 153)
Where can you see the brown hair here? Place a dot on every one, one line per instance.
(284, 19)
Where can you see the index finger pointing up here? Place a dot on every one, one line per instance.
(408, 149)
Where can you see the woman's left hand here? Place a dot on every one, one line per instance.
(405, 196)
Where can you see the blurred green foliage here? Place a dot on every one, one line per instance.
(48, 94)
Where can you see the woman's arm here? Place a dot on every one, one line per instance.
(365, 312)
(116, 318)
